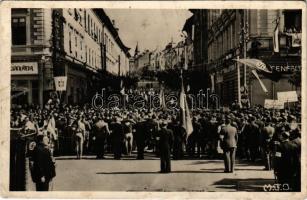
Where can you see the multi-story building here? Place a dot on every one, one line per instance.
(31, 61)
(76, 43)
(249, 34)
(196, 44)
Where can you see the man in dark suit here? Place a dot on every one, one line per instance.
(101, 132)
(41, 164)
(267, 135)
(140, 138)
(117, 138)
(229, 145)
(166, 139)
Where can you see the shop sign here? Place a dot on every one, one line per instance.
(285, 69)
(60, 83)
(289, 96)
(24, 68)
(273, 104)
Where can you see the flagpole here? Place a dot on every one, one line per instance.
(244, 42)
(239, 84)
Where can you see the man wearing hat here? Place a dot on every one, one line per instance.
(267, 135)
(101, 132)
(229, 145)
(117, 138)
(283, 158)
(165, 141)
(41, 164)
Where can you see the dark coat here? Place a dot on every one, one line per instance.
(166, 140)
(117, 132)
(42, 164)
(230, 138)
(140, 133)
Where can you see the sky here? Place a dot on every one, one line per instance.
(149, 28)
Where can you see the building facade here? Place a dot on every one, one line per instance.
(249, 34)
(31, 60)
(77, 43)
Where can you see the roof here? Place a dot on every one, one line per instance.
(188, 24)
(108, 23)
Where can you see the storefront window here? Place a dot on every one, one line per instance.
(19, 31)
(293, 21)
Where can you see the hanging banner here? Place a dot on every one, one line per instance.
(274, 104)
(289, 96)
(212, 83)
(60, 83)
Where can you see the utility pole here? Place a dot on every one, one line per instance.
(245, 12)
(118, 65)
(239, 83)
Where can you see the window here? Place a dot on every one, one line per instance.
(88, 24)
(91, 33)
(293, 20)
(85, 53)
(19, 31)
(89, 56)
(70, 42)
(76, 41)
(85, 26)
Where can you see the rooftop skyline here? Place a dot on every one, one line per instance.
(149, 28)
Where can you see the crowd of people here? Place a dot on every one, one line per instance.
(255, 134)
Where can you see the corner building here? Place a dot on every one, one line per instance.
(249, 34)
(77, 43)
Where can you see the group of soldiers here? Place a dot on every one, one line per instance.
(255, 134)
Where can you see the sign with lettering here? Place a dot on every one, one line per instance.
(24, 68)
(289, 96)
(274, 104)
(286, 69)
(60, 83)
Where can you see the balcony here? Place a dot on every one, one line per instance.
(30, 49)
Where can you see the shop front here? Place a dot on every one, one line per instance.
(283, 68)
(24, 83)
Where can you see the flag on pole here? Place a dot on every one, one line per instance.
(264, 69)
(261, 83)
(254, 64)
(212, 82)
(162, 98)
(185, 57)
(276, 37)
(186, 121)
(122, 87)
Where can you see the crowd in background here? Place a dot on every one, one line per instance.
(270, 136)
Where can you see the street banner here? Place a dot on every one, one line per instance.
(212, 82)
(274, 104)
(186, 121)
(60, 83)
(276, 37)
(185, 57)
(289, 96)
